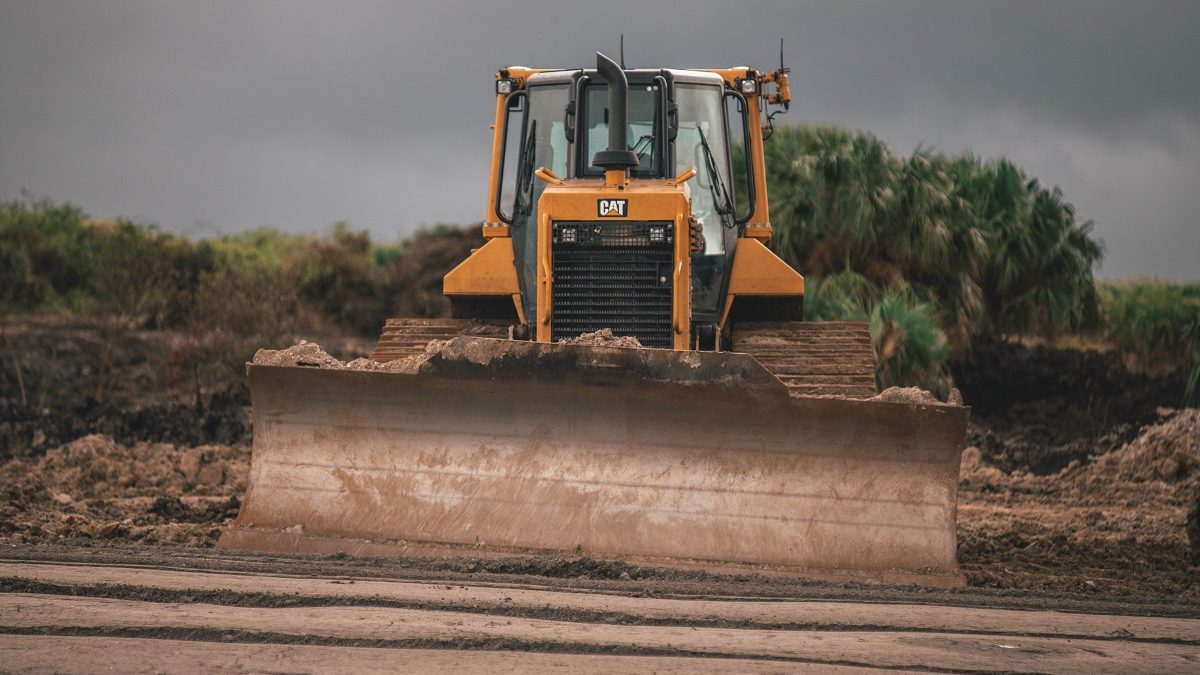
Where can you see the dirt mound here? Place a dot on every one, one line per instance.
(1038, 408)
(97, 466)
(913, 395)
(96, 488)
(1093, 523)
(604, 338)
(1168, 451)
(309, 354)
(304, 353)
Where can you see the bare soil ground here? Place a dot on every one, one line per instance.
(130, 449)
(58, 614)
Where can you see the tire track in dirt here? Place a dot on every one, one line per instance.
(172, 586)
(583, 575)
(42, 653)
(398, 627)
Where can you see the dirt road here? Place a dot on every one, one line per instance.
(183, 610)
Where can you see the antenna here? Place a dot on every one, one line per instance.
(781, 53)
(623, 51)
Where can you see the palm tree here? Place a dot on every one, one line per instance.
(977, 245)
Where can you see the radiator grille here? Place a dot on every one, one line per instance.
(615, 275)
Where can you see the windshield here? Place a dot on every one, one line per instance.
(544, 144)
(644, 102)
(701, 144)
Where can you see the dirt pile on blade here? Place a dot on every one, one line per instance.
(914, 395)
(303, 354)
(604, 338)
(310, 355)
(95, 488)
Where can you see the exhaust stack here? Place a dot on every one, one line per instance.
(618, 155)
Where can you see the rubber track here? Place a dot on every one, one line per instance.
(409, 336)
(813, 358)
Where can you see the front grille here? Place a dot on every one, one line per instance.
(615, 275)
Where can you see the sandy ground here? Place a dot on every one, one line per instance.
(36, 654)
(70, 617)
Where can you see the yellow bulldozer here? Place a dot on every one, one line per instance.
(716, 431)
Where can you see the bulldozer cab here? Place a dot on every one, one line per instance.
(674, 121)
(677, 120)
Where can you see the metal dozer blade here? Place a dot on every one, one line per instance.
(700, 460)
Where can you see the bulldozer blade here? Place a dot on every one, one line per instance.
(685, 459)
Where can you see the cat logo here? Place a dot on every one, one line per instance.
(612, 208)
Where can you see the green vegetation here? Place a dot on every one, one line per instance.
(937, 251)
(258, 283)
(1157, 323)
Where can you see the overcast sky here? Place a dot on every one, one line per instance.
(213, 117)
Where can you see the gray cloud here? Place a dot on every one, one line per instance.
(221, 116)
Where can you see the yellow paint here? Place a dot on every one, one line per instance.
(492, 225)
(759, 225)
(547, 175)
(649, 199)
(684, 177)
(756, 271)
(490, 270)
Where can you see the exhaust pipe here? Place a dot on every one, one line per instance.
(618, 155)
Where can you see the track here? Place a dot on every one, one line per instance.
(813, 358)
(408, 336)
(72, 617)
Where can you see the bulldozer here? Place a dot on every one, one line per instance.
(626, 373)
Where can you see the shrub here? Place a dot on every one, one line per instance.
(989, 250)
(910, 348)
(47, 258)
(1157, 323)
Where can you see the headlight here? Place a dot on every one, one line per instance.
(504, 87)
(747, 85)
(658, 234)
(567, 235)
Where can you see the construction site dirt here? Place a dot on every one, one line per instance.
(1083, 508)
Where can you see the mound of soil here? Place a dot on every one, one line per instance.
(309, 354)
(913, 395)
(95, 488)
(1116, 524)
(1037, 408)
(304, 353)
(1168, 451)
(604, 338)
